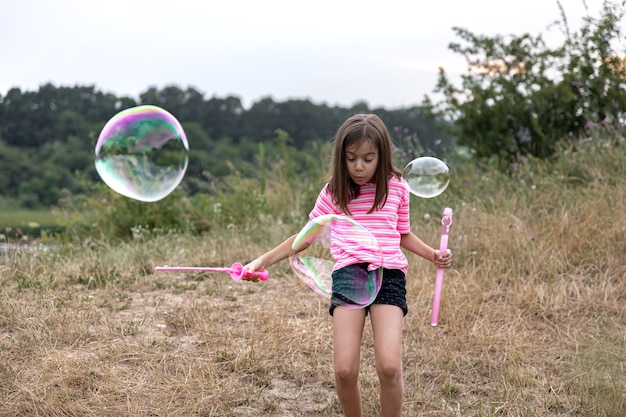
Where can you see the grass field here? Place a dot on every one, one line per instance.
(17, 223)
(533, 319)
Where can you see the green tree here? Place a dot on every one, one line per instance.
(14, 169)
(45, 187)
(221, 117)
(33, 118)
(597, 69)
(262, 119)
(520, 97)
(48, 137)
(185, 105)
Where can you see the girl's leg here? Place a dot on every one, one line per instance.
(387, 329)
(347, 332)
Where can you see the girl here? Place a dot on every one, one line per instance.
(366, 186)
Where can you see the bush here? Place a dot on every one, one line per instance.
(520, 97)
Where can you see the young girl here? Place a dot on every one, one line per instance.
(366, 186)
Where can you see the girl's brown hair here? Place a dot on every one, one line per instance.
(358, 128)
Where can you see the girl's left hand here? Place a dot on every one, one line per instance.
(443, 260)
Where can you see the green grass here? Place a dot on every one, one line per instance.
(22, 222)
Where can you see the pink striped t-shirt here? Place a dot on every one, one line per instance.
(387, 224)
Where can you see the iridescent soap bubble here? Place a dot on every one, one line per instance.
(142, 153)
(315, 249)
(427, 176)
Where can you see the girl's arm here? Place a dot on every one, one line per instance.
(269, 258)
(414, 244)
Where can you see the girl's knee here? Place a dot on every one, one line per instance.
(346, 375)
(390, 372)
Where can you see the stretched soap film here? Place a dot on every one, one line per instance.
(325, 239)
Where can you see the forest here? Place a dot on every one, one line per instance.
(47, 137)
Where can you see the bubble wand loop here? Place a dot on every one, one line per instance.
(446, 222)
(236, 271)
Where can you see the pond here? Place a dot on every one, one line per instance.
(8, 249)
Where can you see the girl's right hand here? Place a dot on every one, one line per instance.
(253, 266)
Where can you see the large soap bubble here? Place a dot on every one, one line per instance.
(313, 259)
(142, 153)
(427, 176)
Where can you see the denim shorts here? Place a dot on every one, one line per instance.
(392, 290)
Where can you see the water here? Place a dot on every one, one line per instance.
(10, 249)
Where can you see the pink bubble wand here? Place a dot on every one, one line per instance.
(446, 222)
(236, 271)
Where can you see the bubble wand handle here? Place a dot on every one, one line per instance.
(446, 222)
(236, 271)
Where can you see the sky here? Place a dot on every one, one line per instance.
(338, 52)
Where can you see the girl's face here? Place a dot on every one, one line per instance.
(362, 161)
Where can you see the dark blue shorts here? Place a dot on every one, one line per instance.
(392, 291)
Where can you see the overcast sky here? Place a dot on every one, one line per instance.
(385, 52)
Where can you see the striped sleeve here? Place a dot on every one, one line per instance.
(323, 205)
(404, 221)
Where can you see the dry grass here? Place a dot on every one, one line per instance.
(533, 320)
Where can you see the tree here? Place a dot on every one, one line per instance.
(596, 70)
(48, 136)
(520, 97)
(221, 117)
(14, 169)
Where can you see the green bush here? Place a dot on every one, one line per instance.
(521, 97)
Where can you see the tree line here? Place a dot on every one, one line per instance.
(48, 136)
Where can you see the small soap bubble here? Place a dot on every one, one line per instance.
(142, 153)
(427, 176)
